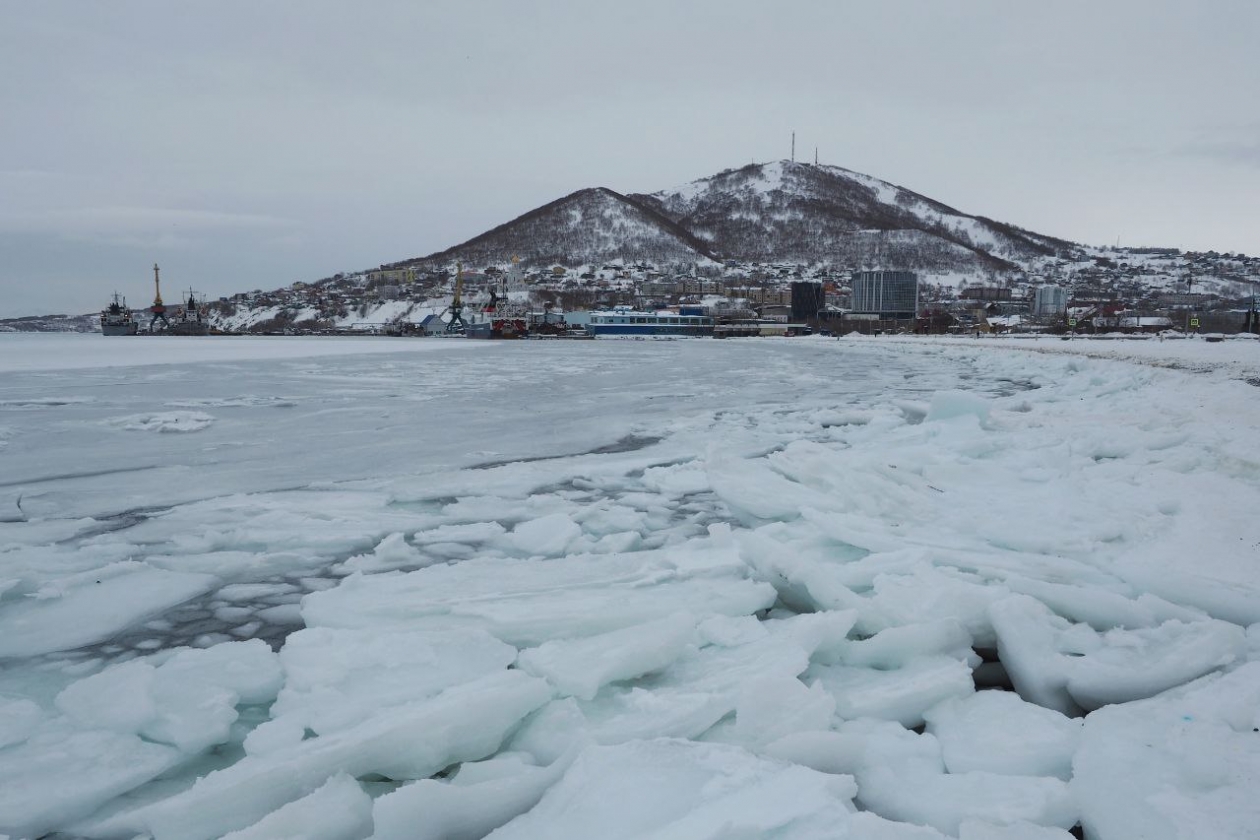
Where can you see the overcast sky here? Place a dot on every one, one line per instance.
(246, 144)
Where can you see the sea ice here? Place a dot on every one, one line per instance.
(89, 608)
(339, 810)
(464, 723)
(764, 565)
(579, 667)
(335, 678)
(997, 732)
(1180, 765)
(681, 789)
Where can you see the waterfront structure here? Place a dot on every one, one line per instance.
(626, 321)
(890, 295)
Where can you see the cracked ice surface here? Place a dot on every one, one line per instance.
(621, 589)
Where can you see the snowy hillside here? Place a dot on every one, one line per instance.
(773, 212)
(589, 226)
(801, 212)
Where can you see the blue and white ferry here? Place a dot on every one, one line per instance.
(625, 321)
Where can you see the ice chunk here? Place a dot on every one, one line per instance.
(188, 701)
(902, 778)
(18, 718)
(464, 723)
(61, 774)
(867, 826)
(944, 801)
(948, 405)
(547, 536)
(551, 731)
(1070, 667)
(164, 421)
(1183, 764)
(393, 552)
(936, 594)
(478, 800)
(1134, 664)
(731, 631)
(1027, 635)
(826, 752)
(339, 810)
(119, 698)
(335, 678)
(998, 732)
(92, 608)
(472, 532)
(528, 602)
(773, 708)
(580, 667)
(896, 646)
(681, 789)
(1018, 830)
(903, 694)
(615, 717)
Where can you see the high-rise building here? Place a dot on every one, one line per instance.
(1049, 300)
(892, 295)
(807, 299)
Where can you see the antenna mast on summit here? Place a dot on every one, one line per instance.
(793, 147)
(815, 156)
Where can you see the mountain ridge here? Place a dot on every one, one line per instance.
(780, 211)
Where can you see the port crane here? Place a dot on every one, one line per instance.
(456, 323)
(158, 308)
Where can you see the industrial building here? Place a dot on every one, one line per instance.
(1049, 300)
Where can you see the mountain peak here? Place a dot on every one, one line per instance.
(776, 211)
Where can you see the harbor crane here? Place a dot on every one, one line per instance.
(158, 308)
(456, 323)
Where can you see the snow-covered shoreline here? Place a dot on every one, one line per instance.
(1234, 356)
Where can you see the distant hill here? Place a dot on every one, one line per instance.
(773, 212)
(801, 212)
(591, 225)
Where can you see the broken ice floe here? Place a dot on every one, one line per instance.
(803, 608)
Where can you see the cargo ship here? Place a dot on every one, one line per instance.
(116, 318)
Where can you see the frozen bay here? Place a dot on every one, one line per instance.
(375, 587)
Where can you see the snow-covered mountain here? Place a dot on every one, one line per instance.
(591, 225)
(774, 212)
(802, 212)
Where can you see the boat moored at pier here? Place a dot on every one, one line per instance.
(625, 321)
